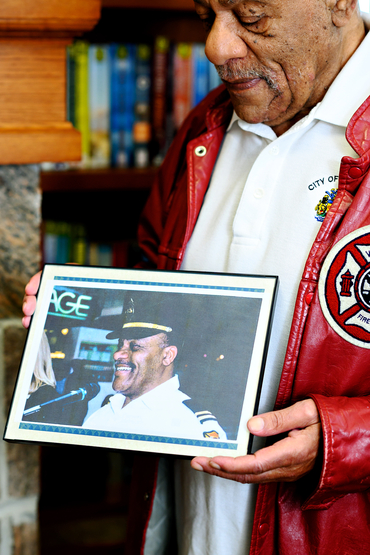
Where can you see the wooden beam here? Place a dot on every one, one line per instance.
(33, 39)
(36, 144)
(40, 17)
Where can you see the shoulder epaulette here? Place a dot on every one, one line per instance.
(205, 418)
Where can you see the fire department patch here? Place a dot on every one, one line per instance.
(344, 287)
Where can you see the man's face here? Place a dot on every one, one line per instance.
(140, 365)
(276, 57)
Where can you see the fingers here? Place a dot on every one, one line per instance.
(29, 301)
(298, 416)
(33, 285)
(287, 460)
(28, 308)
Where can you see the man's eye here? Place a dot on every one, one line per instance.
(257, 25)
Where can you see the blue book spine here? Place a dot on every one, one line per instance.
(200, 74)
(214, 78)
(122, 104)
(143, 81)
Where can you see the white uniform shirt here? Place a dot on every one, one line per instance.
(259, 217)
(160, 412)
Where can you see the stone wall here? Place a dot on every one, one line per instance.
(20, 216)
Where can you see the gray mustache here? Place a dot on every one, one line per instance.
(231, 72)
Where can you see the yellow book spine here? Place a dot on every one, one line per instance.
(82, 97)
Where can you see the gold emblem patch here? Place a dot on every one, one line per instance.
(213, 434)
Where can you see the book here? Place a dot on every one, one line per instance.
(142, 126)
(122, 83)
(160, 86)
(78, 252)
(63, 242)
(120, 253)
(201, 74)
(105, 254)
(138, 96)
(214, 78)
(81, 56)
(99, 105)
(182, 82)
(49, 242)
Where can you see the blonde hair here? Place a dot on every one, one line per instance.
(43, 373)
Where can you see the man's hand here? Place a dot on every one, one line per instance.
(29, 300)
(286, 461)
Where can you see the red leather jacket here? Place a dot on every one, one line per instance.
(328, 511)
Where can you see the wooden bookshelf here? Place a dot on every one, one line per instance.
(143, 24)
(108, 202)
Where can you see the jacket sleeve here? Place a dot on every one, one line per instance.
(346, 445)
(168, 197)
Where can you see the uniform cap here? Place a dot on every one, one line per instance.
(143, 318)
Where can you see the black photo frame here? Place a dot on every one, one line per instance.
(219, 323)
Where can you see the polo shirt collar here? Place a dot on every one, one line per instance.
(152, 399)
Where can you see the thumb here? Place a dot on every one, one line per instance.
(300, 415)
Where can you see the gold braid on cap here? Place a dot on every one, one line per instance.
(146, 325)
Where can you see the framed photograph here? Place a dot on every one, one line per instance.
(166, 362)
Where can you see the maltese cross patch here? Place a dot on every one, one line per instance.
(344, 287)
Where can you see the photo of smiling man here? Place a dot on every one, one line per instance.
(147, 397)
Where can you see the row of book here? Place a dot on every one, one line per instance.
(64, 242)
(128, 100)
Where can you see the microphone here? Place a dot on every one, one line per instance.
(87, 392)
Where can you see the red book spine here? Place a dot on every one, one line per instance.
(182, 82)
(160, 80)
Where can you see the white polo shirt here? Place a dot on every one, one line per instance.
(259, 217)
(160, 412)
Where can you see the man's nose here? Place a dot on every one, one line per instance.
(223, 41)
(123, 351)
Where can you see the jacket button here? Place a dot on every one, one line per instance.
(355, 172)
(200, 151)
(263, 529)
(309, 298)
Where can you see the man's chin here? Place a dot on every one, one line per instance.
(119, 387)
(271, 111)
(256, 116)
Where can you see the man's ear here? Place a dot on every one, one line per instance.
(169, 354)
(342, 11)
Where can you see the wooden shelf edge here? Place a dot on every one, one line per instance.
(45, 16)
(97, 180)
(150, 4)
(33, 146)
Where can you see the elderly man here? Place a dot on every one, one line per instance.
(268, 175)
(148, 400)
